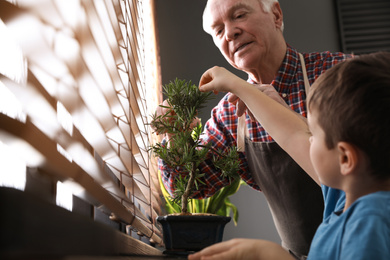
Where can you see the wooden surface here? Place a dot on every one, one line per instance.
(125, 258)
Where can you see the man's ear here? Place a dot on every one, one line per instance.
(348, 157)
(278, 14)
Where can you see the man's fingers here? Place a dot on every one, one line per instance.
(233, 98)
(240, 105)
(195, 122)
(241, 108)
(163, 108)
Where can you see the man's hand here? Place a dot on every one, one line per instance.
(165, 108)
(269, 90)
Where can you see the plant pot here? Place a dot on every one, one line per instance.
(188, 233)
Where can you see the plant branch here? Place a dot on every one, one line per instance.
(188, 190)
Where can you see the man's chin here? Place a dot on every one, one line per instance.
(242, 65)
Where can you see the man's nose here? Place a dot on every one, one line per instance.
(232, 33)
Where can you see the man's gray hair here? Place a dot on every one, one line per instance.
(266, 4)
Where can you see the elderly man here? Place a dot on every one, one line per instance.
(249, 34)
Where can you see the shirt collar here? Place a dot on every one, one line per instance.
(287, 71)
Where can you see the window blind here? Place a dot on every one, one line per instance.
(364, 25)
(78, 83)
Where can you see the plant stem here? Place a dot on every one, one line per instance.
(187, 192)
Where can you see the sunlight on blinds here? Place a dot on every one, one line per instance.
(79, 80)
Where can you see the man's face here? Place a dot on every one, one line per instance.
(242, 31)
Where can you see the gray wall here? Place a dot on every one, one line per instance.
(187, 51)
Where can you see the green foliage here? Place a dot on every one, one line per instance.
(185, 99)
(218, 204)
(185, 152)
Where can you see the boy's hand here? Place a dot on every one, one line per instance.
(243, 249)
(219, 79)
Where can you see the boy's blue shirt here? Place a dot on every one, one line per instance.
(334, 200)
(361, 232)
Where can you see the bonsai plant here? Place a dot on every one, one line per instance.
(218, 204)
(185, 153)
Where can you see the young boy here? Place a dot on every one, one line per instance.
(345, 148)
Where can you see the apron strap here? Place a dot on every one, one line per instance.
(241, 133)
(305, 79)
(242, 130)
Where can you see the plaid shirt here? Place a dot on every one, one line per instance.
(221, 128)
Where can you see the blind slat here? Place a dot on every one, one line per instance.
(91, 59)
(364, 25)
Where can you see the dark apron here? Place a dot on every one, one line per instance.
(295, 200)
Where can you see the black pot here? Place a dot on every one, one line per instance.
(191, 232)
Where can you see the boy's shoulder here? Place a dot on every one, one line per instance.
(366, 228)
(373, 203)
(369, 210)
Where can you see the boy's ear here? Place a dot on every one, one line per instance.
(348, 158)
